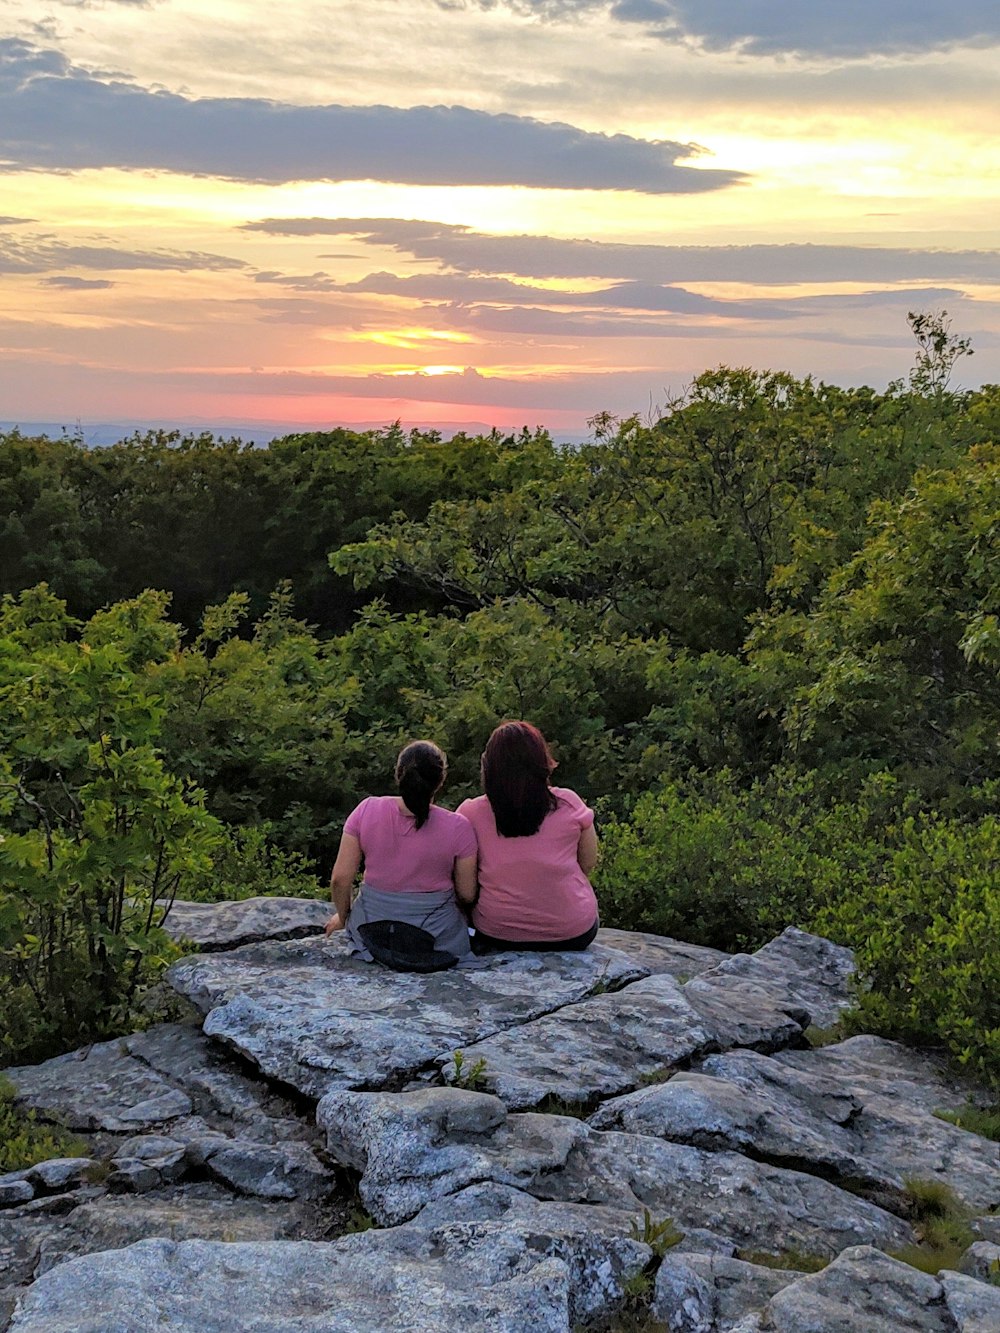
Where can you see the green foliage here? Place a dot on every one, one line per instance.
(981, 1120)
(24, 1142)
(710, 861)
(359, 1219)
(472, 1078)
(938, 349)
(250, 864)
(942, 1224)
(795, 1261)
(97, 833)
(924, 929)
(914, 892)
(660, 1236)
(899, 663)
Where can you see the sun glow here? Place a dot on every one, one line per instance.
(410, 339)
(429, 370)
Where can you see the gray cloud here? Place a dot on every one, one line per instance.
(850, 29)
(70, 284)
(40, 254)
(14, 222)
(730, 319)
(55, 116)
(586, 392)
(474, 252)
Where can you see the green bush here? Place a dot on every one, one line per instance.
(717, 864)
(95, 830)
(249, 864)
(915, 893)
(925, 932)
(23, 1141)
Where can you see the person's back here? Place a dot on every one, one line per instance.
(419, 861)
(401, 857)
(536, 848)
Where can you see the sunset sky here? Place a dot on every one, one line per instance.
(509, 212)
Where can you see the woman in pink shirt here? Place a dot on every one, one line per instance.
(537, 847)
(419, 860)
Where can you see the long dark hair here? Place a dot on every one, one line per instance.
(516, 767)
(420, 770)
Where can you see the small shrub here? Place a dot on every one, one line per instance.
(942, 1225)
(553, 1105)
(472, 1078)
(359, 1219)
(662, 1075)
(984, 1121)
(249, 864)
(24, 1142)
(818, 1037)
(659, 1236)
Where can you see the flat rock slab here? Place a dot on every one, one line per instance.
(201, 1211)
(314, 1018)
(414, 1148)
(864, 1291)
(100, 1087)
(710, 1293)
(799, 973)
(228, 925)
(659, 953)
(600, 1047)
(875, 1067)
(165, 1105)
(228, 1097)
(372, 1283)
(810, 1115)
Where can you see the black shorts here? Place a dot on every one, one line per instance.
(490, 944)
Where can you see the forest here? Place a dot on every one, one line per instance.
(761, 629)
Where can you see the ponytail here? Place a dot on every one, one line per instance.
(420, 771)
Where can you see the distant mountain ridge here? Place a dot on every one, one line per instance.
(99, 434)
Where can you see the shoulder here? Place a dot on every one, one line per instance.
(473, 808)
(371, 806)
(461, 829)
(574, 805)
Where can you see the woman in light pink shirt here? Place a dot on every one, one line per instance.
(537, 847)
(419, 860)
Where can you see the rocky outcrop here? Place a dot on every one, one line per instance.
(227, 925)
(313, 1017)
(604, 1045)
(415, 1147)
(215, 1191)
(817, 1121)
(864, 1291)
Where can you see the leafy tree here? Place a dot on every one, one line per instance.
(938, 349)
(98, 835)
(898, 663)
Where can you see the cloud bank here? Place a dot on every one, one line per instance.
(27, 254)
(849, 29)
(56, 116)
(466, 250)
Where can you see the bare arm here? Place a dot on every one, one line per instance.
(342, 880)
(587, 849)
(466, 883)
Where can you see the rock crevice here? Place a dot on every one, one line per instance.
(217, 1185)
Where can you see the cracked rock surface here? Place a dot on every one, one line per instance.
(718, 1150)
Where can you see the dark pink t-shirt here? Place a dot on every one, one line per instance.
(399, 857)
(533, 888)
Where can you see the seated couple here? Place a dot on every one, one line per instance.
(534, 843)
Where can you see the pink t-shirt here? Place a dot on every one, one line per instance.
(401, 858)
(533, 888)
